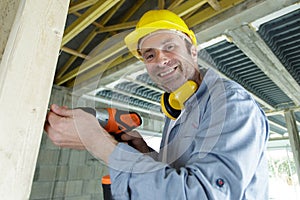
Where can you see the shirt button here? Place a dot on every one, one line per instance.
(220, 182)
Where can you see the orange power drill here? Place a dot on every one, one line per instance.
(115, 121)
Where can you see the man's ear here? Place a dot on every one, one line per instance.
(194, 53)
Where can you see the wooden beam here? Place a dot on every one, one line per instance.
(188, 6)
(161, 4)
(112, 51)
(97, 71)
(118, 27)
(111, 12)
(83, 45)
(93, 72)
(26, 75)
(87, 18)
(132, 10)
(214, 4)
(74, 52)
(174, 4)
(88, 39)
(210, 12)
(81, 4)
(94, 23)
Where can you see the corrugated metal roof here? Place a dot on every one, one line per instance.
(231, 61)
(282, 35)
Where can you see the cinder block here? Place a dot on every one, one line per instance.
(92, 186)
(59, 189)
(62, 173)
(97, 196)
(45, 173)
(41, 190)
(64, 156)
(74, 188)
(48, 157)
(82, 172)
(85, 197)
(77, 157)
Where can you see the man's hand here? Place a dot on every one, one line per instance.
(134, 139)
(78, 129)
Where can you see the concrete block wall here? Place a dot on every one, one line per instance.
(64, 173)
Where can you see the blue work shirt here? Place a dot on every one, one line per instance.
(215, 150)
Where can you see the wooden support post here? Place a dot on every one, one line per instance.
(294, 138)
(26, 76)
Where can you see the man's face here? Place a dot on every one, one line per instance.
(168, 61)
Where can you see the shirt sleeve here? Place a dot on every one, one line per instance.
(221, 169)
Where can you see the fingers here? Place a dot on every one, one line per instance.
(135, 140)
(61, 110)
(132, 135)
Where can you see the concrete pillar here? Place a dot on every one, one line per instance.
(294, 138)
(26, 75)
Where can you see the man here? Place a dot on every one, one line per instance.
(214, 139)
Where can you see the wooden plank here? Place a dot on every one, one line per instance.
(26, 75)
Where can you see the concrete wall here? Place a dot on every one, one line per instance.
(64, 173)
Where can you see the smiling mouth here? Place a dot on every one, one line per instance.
(167, 72)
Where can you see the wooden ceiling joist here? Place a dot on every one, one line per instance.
(214, 4)
(128, 14)
(87, 18)
(211, 12)
(188, 7)
(81, 4)
(161, 4)
(74, 52)
(87, 41)
(174, 4)
(114, 50)
(132, 10)
(118, 27)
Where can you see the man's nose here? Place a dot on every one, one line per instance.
(162, 58)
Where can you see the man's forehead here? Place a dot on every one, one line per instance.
(162, 36)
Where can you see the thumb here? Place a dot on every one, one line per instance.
(61, 110)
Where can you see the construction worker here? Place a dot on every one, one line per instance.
(214, 140)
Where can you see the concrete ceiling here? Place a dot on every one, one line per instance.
(255, 43)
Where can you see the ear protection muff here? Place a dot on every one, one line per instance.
(173, 103)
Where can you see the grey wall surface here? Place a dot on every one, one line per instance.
(64, 173)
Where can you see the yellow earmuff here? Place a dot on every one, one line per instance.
(173, 103)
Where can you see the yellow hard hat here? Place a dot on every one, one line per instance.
(152, 21)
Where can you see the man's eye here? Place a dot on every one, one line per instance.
(170, 47)
(148, 57)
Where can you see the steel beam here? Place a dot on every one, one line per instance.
(249, 41)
